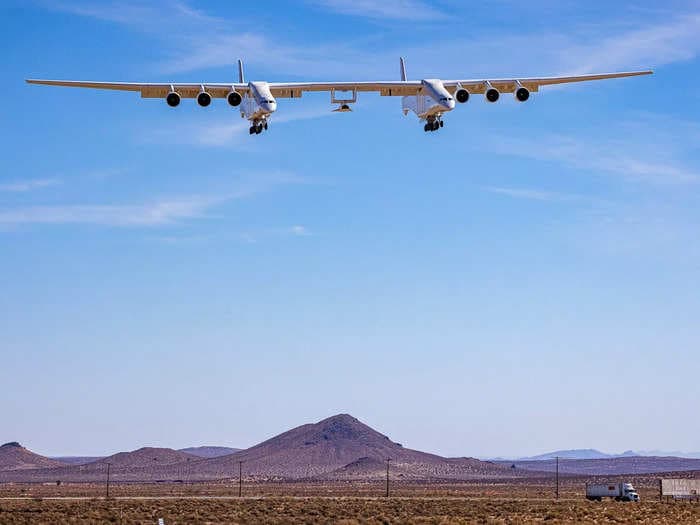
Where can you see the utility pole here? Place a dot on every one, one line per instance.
(108, 466)
(240, 478)
(387, 476)
(557, 477)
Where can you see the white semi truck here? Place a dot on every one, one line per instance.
(617, 491)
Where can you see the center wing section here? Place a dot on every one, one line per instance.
(388, 89)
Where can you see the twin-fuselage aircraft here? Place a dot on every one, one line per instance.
(430, 99)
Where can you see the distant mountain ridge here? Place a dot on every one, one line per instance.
(591, 453)
(201, 452)
(209, 451)
(77, 460)
(609, 466)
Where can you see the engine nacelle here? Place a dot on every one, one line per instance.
(492, 94)
(522, 94)
(462, 95)
(234, 98)
(204, 99)
(173, 99)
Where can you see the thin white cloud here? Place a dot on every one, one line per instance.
(198, 40)
(664, 42)
(146, 16)
(28, 185)
(291, 231)
(384, 9)
(299, 231)
(632, 160)
(158, 212)
(533, 194)
(230, 133)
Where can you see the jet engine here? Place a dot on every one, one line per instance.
(462, 95)
(521, 93)
(234, 98)
(173, 99)
(492, 94)
(204, 99)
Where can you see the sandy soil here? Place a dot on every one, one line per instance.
(332, 503)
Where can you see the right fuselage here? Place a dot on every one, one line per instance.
(430, 105)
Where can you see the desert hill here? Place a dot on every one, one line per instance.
(336, 444)
(144, 464)
(14, 456)
(147, 456)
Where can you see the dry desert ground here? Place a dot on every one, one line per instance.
(348, 503)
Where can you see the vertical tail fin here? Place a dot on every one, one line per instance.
(241, 77)
(403, 69)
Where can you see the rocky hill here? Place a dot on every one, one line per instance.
(14, 456)
(147, 456)
(144, 464)
(342, 446)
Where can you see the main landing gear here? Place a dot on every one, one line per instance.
(257, 128)
(433, 125)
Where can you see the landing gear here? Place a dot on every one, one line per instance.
(433, 125)
(257, 128)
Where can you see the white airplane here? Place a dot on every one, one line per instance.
(429, 98)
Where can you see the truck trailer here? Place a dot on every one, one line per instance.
(616, 491)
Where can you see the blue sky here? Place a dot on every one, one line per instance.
(526, 279)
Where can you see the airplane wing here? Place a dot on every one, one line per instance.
(509, 85)
(295, 89)
(414, 87)
(151, 90)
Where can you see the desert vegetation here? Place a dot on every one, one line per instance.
(348, 503)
